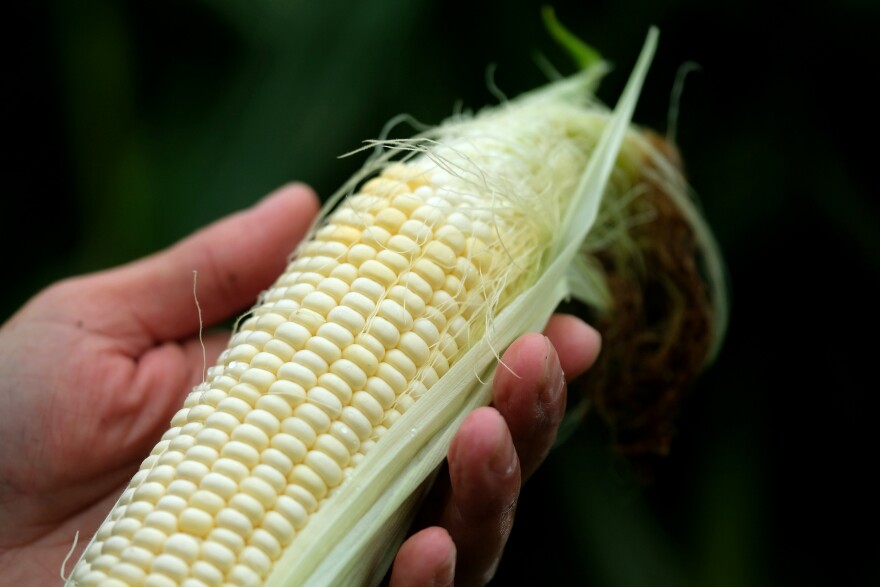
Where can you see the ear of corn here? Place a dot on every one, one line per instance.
(300, 459)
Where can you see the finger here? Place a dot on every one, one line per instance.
(530, 390)
(577, 343)
(485, 480)
(235, 259)
(426, 559)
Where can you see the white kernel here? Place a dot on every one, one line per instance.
(199, 412)
(390, 219)
(223, 421)
(159, 580)
(247, 505)
(403, 245)
(256, 560)
(406, 202)
(395, 313)
(258, 489)
(161, 520)
(401, 361)
(333, 287)
(229, 538)
(303, 496)
(326, 400)
(270, 476)
(244, 453)
(292, 510)
(138, 509)
(211, 501)
(404, 403)
(290, 392)
(290, 446)
(364, 402)
(416, 230)
(309, 479)
(218, 555)
(326, 248)
(317, 264)
(427, 330)
(138, 556)
(336, 334)
(441, 254)
(234, 406)
(314, 416)
(219, 484)
(232, 468)
(428, 214)
(345, 272)
(264, 421)
(445, 303)
(193, 582)
(149, 492)
(280, 349)
(126, 527)
(396, 262)
(161, 474)
(433, 275)
(325, 466)
(115, 545)
(348, 318)
(359, 423)
(171, 458)
(324, 348)
(391, 416)
(173, 504)
(385, 331)
(350, 372)
(266, 542)
(128, 573)
(260, 379)
(311, 361)
(267, 361)
(335, 384)
(393, 377)
(371, 343)
(319, 302)
(341, 233)
(297, 373)
(151, 539)
(234, 520)
(242, 352)
(378, 271)
(346, 436)
(360, 253)
(414, 347)
(276, 460)
(197, 463)
(407, 299)
(279, 527)
(250, 435)
(294, 334)
(381, 391)
(211, 438)
(277, 407)
(183, 546)
(207, 573)
(299, 428)
(359, 302)
(416, 284)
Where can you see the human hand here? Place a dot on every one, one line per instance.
(94, 367)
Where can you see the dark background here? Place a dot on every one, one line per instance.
(131, 124)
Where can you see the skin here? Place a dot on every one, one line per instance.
(94, 367)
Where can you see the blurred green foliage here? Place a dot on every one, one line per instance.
(135, 123)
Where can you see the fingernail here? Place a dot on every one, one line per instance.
(552, 374)
(503, 460)
(445, 575)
